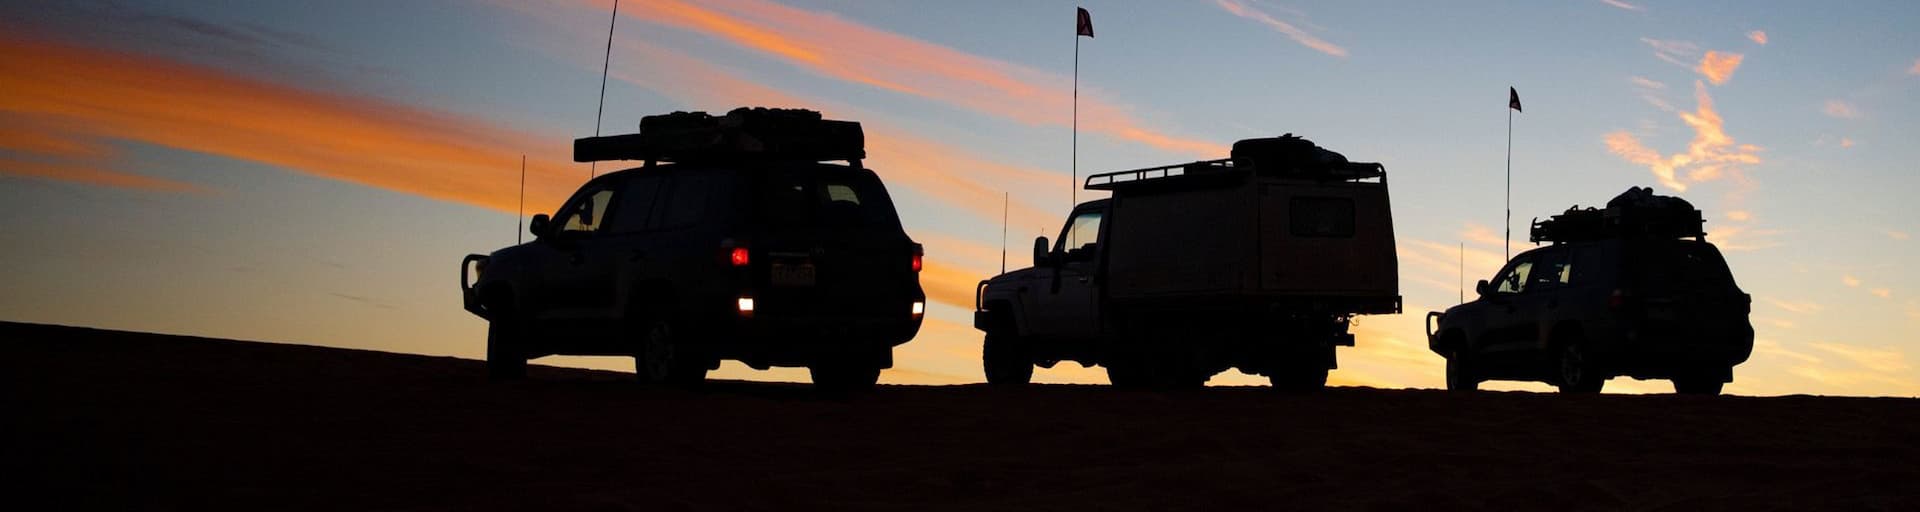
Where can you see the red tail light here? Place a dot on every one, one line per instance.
(738, 256)
(916, 263)
(917, 251)
(1618, 299)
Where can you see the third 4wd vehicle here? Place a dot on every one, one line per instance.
(733, 241)
(1630, 290)
(1254, 262)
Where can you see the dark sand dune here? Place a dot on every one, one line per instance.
(101, 419)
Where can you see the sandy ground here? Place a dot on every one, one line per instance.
(101, 419)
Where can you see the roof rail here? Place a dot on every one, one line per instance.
(1167, 174)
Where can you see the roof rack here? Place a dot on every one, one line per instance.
(741, 134)
(1287, 156)
(1637, 213)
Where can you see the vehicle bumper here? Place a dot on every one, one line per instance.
(764, 339)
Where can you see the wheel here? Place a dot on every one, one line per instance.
(1702, 383)
(1460, 374)
(1577, 373)
(1125, 374)
(844, 376)
(1005, 361)
(506, 349)
(664, 359)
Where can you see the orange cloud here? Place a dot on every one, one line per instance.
(1672, 51)
(52, 154)
(1850, 281)
(1718, 67)
(1883, 293)
(1711, 153)
(79, 96)
(1915, 70)
(1739, 215)
(90, 175)
(1758, 37)
(845, 50)
(1840, 109)
(1292, 32)
(1897, 235)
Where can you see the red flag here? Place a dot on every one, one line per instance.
(1513, 99)
(1083, 24)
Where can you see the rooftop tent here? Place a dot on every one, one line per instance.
(744, 133)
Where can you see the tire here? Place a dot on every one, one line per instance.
(664, 359)
(844, 377)
(1704, 383)
(506, 349)
(1005, 360)
(1125, 374)
(1461, 376)
(1577, 374)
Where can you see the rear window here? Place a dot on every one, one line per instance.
(1324, 217)
(1680, 265)
(826, 197)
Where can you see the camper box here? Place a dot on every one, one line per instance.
(1282, 222)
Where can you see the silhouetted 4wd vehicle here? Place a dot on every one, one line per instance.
(733, 241)
(1253, 262)
(1630, 290)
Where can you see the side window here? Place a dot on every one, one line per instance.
(686, 202)
(1550, 270)
(636, 204)
(1515, 278)
(586, 214)
(1082, 235)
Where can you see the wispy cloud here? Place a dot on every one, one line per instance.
(1846, 142)
(1739, 215)
(46, 152)
(1897, 234)
(1624, 5)
(1850, 281)
(85, 96)
(1915, 70)
(1800, 307)
(1647, 82)
(1840, 109)
(1677, 52)
(1298, 35)
(837, 48)
(1718, 67)
(1886, 360)
(1758, 37)
(1883, 293)
(1708, 155)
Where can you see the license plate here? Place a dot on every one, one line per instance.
(793, 275)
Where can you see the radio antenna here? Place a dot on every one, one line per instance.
(605, 63)
(1005, 197)
(520, 215)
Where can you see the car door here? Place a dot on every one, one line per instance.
(1537, 306)
(1067, 295)
(579, 284)
(1502, 306)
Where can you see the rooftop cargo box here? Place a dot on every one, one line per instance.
(1636, 213)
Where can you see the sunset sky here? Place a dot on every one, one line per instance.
(312, 173)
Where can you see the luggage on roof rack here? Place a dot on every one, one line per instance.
(1636, 213)
(743, 133)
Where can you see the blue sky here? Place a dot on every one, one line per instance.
(1808, 195)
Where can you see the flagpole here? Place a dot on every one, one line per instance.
(1507, 244)
(1073, 187)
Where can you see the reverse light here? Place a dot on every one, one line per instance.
(919, 307)
(739, 257)
(746, 305)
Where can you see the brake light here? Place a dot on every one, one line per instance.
(738, 256)
(918, 250)
(1618, 299)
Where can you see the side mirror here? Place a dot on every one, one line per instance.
(1040, 250)
(538, 226)
(1483, 288)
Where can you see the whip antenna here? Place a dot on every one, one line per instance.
(520, 215)
(605, 63)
